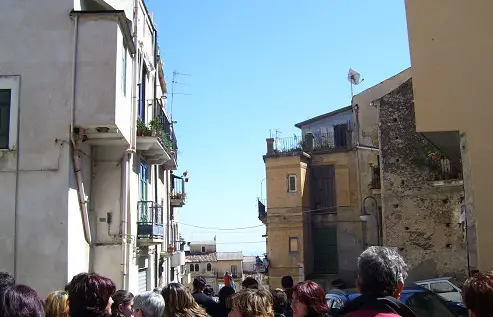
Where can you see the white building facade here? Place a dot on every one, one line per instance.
(87, 149)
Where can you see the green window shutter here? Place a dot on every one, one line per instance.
(5, 101)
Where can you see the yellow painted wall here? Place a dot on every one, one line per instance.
(451, 45)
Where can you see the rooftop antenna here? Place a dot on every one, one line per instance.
(173, 93)
(354, 78)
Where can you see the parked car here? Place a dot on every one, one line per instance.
(423, 302)
(446, 287)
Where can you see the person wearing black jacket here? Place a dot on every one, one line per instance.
(203, 300)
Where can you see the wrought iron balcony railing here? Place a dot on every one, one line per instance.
(150, 220)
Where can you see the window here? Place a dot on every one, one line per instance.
(5, 103)
(191, 267)
(124, 69)
(293, 244)
(442, 287)
(234, 270)
(291, 183)
(209, 267)
(9, 104)
(203, 249)
(145, 180)
(197, 268)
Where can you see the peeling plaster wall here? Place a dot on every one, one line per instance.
(419, 219)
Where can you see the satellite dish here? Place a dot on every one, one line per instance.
(354, 77)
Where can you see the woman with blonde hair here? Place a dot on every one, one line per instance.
(180, 303)
(56, 304)
(252, 303)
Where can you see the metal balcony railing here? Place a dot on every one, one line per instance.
(177, 188)
(149, 220)
(262, 211)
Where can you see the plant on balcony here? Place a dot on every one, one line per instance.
(178, 196)
(153, 125)
(165, 140)
(142, 128)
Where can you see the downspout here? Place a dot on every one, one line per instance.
(16, 198)
(78, 175)
(125, 210)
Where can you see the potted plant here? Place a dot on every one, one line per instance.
(141, 127)
(153, 124)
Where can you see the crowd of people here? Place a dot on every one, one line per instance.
(381, 275)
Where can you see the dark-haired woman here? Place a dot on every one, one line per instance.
(122, 304)
(90, 295)
(21, 301)
(309, 300)
(224, 307)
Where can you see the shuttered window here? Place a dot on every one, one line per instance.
(5, 104)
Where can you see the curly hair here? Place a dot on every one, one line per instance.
(477, 294)
(89, 294)
(56, 304)
(253, 303)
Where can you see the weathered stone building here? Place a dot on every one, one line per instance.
(420, 193)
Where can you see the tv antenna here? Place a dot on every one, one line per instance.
(354, 78)
(173, 93)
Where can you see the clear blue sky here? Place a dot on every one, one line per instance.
(259, 65)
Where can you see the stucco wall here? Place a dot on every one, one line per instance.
(40, 51)
(418, 218)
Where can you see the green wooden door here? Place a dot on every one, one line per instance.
(325, 257)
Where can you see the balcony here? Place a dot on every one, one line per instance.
(177, 194)
(102, 89)
(150, 228)
(262, 211)
(310, 143)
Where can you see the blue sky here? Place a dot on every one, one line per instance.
(259, 65)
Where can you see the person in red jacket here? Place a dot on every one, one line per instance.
(228, 279)
(381, 275)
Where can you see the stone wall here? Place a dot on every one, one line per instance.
(419, 219)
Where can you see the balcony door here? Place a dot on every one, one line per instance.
(144, 180)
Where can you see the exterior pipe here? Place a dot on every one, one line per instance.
(16, 198)
(78, 175)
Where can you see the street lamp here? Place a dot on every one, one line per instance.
(261, 188)
(365, 215)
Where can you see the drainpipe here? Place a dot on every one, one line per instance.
(125, 210)
(78, 175)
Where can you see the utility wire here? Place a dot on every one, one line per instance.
(226, 229)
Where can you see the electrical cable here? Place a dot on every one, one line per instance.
(211, 228)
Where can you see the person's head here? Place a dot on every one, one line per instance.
(287, 282)
(224, 295)
(250, 282)
(252, 303)
(308, 300)
(148, 304)
(199, 284)
(179, 302)
(122, 304)
(381, 272)
(208, 290)
(90, 295)
(21, 301)
(461, 199)
(56, 304)
(477, 294)
(6, 280)
(280, 300)
(226, 273)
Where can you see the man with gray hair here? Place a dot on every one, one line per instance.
(381, 275)
(148, 304)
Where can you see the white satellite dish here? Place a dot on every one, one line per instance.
(354, 77)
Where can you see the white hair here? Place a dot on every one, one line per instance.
(380, 270)
(151, 304)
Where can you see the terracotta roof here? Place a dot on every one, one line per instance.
(211, 257)
(230, 256)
